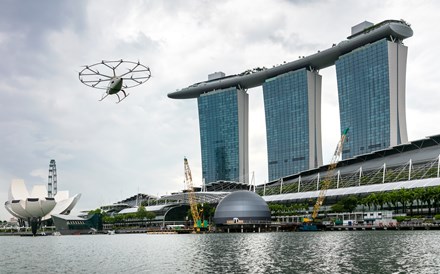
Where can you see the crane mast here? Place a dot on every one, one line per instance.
(191, 195)
(330, 172)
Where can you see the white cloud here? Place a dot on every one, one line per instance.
(40, 173)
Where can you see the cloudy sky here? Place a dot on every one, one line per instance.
(109, 151)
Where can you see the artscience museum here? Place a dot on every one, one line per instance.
(36, 206)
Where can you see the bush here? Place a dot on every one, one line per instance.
(400, 218)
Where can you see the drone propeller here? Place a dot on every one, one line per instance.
(99, 75)
(99, 81)
(135, 79)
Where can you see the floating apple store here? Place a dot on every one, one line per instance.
(242, 210)
(37, 206)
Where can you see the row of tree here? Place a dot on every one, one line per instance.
(141, 214)
(410, 201)
(424, 200)
(287, 209)
(405, 200)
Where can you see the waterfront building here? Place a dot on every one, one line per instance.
(73, 225)
(223, 121)
(371, 68)
(406, 166)
(34, 207)
(242, 206)
(414, 165)
(133, 201)
(292, 103)
(371, 87)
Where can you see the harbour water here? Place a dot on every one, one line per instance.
(284, 252)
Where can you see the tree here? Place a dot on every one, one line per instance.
(108, 219)
(418, 192)
(276, 209)
(150, 216)
(208, 211)
(427, 196)
(410, 200)
(380, 199)
(436, 197)
(403, 197)
(118, 218)
(373, 200)
(338, 208)
(141, 212)
(389, 199)
(394, 200)
(350, 203)
(96, 211)
(367, 202)
(346, 204)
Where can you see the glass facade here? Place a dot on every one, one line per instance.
(371, 91)
(364, 98)
(290, 104)
(223, 135)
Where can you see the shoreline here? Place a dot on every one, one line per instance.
(237, 229)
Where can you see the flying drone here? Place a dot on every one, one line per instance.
(114, 77)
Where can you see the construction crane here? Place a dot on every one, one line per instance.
(330, 172)
(196, 214)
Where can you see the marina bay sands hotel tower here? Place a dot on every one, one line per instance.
(371, 77)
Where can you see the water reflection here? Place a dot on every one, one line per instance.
(309, 252)
(241, 253)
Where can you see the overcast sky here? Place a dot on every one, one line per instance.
(107, 151)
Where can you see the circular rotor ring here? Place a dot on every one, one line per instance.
(100, 74)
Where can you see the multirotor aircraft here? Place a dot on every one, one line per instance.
(104, 75)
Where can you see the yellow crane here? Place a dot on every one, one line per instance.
(330, 174)
(192, 198)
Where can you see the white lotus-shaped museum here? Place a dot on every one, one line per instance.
(36, 204)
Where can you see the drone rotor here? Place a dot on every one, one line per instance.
(100, 74)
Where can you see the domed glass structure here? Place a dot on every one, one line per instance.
(244, 205)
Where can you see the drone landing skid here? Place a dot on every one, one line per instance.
(125, 96)
(119, 98)
(103, 96)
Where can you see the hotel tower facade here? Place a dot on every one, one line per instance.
(371, 77)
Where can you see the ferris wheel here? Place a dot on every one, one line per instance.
(52, 187)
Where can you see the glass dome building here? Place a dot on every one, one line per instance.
(245, 206)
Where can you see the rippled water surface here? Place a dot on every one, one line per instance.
(309, 252)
